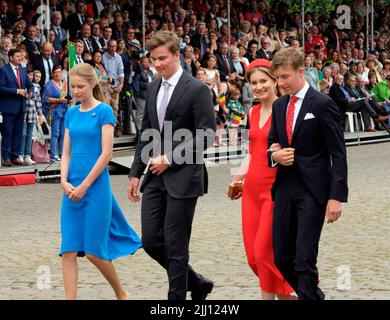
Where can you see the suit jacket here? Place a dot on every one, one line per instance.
(37, 63)
(10, 101)
(263, 55)
(73, 25)
(60, 36)
(224, 72)
(338, 97)
(32, 47)
(320, 153)
(191, 108)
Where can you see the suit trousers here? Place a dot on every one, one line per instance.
(12, 132)
(297, 225)
(166, 231)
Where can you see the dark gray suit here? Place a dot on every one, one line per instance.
(169, 200)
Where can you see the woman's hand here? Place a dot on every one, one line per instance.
(238, 179)
(67, 187)
(63, 100)
(78, 193)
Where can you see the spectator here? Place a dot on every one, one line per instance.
(252, 51)
(361, 72)
(79, 48)
(107, 33)
(213, 78)
(53, 97)
(264, 51)
(141, 80)
(381, 93)
(311, 74)
(114, 66)
(24, 61)
(117, 28)
(12, 107)
(6, 18)
(45, 64)
(33, 113)
(33, 47)
(60, 33)
(96, 39)
(224, 62)
(239, 67)
(386, 69)
(199, 40)
(5, 46)
(85, 37)
(189, 62)
(77, 19)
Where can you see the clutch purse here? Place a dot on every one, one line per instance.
(234, 189)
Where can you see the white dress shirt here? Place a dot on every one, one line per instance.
(172, 84)
(298, 104)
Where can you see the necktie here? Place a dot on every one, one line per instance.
(163, 105)
(227, 64)
(89, 47)
(79, 59)
(49, 67)
(290, 118)
(18, 77)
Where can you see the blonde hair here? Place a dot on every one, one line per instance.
(290, 56)
(88, 73)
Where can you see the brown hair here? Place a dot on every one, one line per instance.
(88, 73)
(164, 38)
(290, 56)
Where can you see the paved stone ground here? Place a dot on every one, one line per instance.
(354, 259)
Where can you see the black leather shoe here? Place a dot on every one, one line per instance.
(201, 291)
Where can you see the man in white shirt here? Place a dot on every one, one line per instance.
(311, 179)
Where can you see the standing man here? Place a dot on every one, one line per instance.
(311, 180)
(114, 66)
(171, 188)
(14, 85)
(59, 31)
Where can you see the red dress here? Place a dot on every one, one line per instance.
(257, 209)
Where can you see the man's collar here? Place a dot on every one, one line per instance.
(175, 78)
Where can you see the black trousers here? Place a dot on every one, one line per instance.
(166, 232)
(297, 225)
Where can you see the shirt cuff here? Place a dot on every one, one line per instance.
(273, 163)
(166, 160)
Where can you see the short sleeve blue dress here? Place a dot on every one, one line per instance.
(96, 224)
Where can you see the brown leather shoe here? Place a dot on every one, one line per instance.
(8, 163)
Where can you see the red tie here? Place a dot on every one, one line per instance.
(290, 118)
(18, 77)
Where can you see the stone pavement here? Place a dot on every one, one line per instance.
(354, 258)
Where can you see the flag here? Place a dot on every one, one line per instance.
(72, 55)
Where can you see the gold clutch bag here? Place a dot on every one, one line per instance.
(234, 189)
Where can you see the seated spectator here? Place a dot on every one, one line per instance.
(381, 93)
(264, 52)
(346, 103)
(213, 78)
(324, 86)
(372, 80)
(386, 68)
(328, 75)
(251, 53)
(361, 72)
(5, 46)
(239, 67)
(224, 62)
(375, 65)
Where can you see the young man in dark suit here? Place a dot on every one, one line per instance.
(311, 180)
(175, 103)
(14, 88)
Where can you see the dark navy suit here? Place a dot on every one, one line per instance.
(12, 107)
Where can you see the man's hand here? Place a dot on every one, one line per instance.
(158, 165)
(132, 190)
(285, 156)
(333, 210)
(21, 92)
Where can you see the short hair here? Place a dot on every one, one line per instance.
(56, 67)
(13, 51)
(164, 38)
(290, 56)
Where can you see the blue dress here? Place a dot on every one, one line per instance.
(96, 224)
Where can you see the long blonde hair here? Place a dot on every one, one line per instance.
(88, 73)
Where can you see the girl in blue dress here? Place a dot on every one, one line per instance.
(92, 224)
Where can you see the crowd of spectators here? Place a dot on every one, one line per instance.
(108, 35)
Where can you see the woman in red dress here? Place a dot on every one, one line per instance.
(257, 205)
